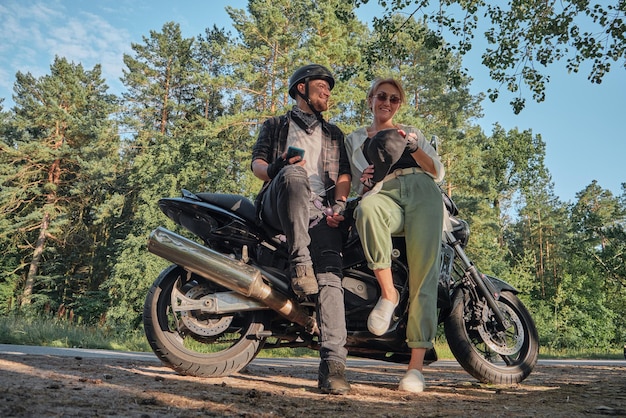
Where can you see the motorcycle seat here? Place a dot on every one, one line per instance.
(244, 208)
(232, 202)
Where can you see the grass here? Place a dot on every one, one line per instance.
(582, 354)
(50, 332)
(61, 333)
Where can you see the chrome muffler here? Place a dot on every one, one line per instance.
(232, 274)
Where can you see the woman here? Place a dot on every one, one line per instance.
(407, 202)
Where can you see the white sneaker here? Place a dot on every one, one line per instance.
(413, 381)
(379, 319)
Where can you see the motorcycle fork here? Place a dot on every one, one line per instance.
(484, 289)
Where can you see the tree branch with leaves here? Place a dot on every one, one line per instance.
(524, 37)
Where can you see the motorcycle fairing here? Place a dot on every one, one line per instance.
(211, 221)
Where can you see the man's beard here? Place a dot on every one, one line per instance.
(320, 105)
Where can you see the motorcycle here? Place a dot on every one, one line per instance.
(221, 302)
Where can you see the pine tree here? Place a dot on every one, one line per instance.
(63, 150)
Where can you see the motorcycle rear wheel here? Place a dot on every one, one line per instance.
(490, 356)
(191, 342)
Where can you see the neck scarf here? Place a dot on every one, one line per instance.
(306, 121)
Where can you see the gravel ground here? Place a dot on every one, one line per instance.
(81, 386)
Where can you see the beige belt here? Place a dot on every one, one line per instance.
(402, 172)
(395, 174)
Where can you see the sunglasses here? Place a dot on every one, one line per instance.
(383, 98)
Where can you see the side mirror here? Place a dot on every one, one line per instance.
(434, 142)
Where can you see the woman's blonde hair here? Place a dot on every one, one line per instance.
(380, 81)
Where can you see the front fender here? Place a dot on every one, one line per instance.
(495, 285)
(501, 285)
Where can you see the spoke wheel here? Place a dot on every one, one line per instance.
(492, 356)
(193, 342)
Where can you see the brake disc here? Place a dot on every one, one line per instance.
(502, 342)
(200, 323)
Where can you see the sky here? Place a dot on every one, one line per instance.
(582, 124)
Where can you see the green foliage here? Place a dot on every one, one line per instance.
(582, 320)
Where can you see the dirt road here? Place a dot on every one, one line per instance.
(81, 386)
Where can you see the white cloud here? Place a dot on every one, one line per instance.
(34, 32)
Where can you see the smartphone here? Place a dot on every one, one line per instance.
(293, 152)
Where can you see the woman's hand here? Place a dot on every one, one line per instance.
(411, 140)
(366, 177)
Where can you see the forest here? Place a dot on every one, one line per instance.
(82, 169)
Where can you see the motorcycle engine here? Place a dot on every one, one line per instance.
(360, 289)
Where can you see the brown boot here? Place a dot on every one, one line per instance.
(332, 379)
(303, 281)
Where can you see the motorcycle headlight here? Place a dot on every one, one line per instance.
(461, 231)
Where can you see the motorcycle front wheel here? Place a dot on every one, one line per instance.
(492, 356)
(192, 342)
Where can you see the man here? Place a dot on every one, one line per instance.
(304, 197)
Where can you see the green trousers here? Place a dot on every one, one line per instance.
(412, 206)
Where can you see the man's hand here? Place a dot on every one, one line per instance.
(334, 220)
(334, 215)
(274, 168)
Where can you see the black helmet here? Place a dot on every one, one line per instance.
(309, 72)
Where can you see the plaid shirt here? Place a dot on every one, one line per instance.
(272, 142)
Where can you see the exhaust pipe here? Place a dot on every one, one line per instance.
(232, 274)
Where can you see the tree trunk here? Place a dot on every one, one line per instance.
(54, 176)
(34, 264)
